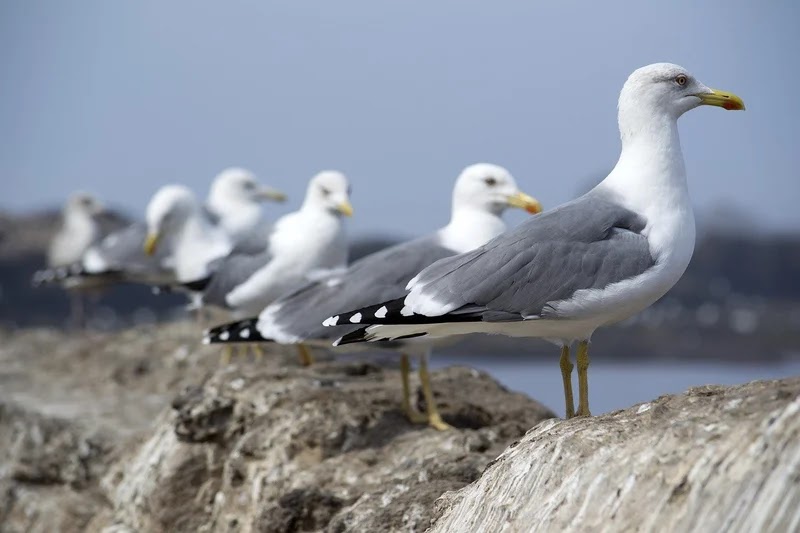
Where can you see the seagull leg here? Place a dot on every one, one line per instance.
(77, 310)
(226, 355)
(414, 416)
(566, 375)
(241, 351)
(306, 359)
(583, 379)
(434, 418)
(258, 352)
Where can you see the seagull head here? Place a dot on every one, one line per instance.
(665, 89)
(83, 204)
(329, 190)
(237, 186)
(491, 188)
(166, 213)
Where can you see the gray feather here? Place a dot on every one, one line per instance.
(377, 277)
(588, 243)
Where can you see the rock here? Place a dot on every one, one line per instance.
(113, 433)
(325, 448)
(713, 459)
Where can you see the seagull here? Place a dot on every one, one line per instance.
(175, 218)
(233, 204)
(84, 220)
(302, 245)
(480, 195)
(79, 230)
(588, 263)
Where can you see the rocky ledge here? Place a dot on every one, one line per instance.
(712, 459)
(143, 431)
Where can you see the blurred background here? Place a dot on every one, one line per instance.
(120, 98)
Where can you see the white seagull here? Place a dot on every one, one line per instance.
(480, 195)
(233, 205)
(302, 245)
(588, 263)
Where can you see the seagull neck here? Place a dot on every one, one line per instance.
(78, 220)
(650, 171)
(197, 243)
(237, 217)
(470, 228)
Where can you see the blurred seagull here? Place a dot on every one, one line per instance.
(588, 263)
(309, 243)
(84, 220)
(480, 195)
(233, 206)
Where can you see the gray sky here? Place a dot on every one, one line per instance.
(120, 97)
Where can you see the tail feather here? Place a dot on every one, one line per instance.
(232, 332)
(373, 334)
(198, 285)
(74, 273)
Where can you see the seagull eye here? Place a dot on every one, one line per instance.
(491, 182)
(681, 79)
(325, 191)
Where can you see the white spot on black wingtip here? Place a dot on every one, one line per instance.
(356, 318)
(331, 321)
(337, 341)
(406, 311)
(381, 313)
(224, 336)
(245, 333)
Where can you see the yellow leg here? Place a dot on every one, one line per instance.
(225, 356)
(566, 376)
(258, 352)
(241, 351)
(434, 418)
(414, 416)
(306, 359)
(583, 379)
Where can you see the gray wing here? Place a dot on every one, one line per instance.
(586, 244)
(254, 241)
(109, 222)
(230, 272)
(380, 276)
(123, 251)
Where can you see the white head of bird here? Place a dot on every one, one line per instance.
(657, 95)
(83, 204)
(490, 188)
(236, 197)
(330, 191)
(235, 186)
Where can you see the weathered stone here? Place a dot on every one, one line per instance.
(189, 446)
(713, 459)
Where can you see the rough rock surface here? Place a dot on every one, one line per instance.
(142, 431)
(713, 459)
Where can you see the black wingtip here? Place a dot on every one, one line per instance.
(244, 331)
(359, 335)
(198, 285)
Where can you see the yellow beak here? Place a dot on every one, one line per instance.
(526, 202)
(150, 243)
(268, 193)
(728, 101)
(345, 208)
